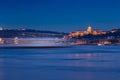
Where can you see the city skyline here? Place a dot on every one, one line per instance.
(60, 15)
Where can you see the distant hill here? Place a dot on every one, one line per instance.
(111, 34)
(11, 33)
(95, 37)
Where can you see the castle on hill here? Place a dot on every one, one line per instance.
(83, 33)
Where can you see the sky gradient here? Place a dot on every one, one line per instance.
(60, 15)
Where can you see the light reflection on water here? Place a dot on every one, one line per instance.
(76, 63)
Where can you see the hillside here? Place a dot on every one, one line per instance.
(11, 33)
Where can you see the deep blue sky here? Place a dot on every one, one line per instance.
(60, 15)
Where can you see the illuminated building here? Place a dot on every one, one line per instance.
(83, 33)
(98, 32)
(16, 41)
(81, 42)
(1, 41)
(89, 29)
(104, 42)
(113, 31)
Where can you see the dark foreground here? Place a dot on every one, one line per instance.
(72, 63)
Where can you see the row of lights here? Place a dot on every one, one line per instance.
(15, 40)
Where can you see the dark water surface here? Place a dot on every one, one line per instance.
(75, 63)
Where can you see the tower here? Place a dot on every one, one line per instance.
(89, 29)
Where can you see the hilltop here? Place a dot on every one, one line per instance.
(11, 33)
(95, 36)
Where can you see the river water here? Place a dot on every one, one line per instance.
(72, 63)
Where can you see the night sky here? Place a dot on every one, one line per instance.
(60, 15)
